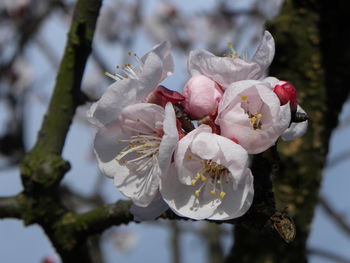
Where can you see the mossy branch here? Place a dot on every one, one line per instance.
(43, 167)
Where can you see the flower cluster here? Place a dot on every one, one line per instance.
(200, 173)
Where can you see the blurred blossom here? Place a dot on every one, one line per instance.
(21, 76)
(94, 84)
(117, 20)
(12, 6)
(123, 240)
(269, 8)
(168, 23)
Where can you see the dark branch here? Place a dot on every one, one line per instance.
(335, 216)
(327, 254)
(9, 207)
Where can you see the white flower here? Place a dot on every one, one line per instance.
(133, 85)
(209, 177)
(134, 149)
(226, 70)
(250, 112)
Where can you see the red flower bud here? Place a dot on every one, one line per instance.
(161, 95)
(286, 92)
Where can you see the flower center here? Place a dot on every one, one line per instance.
(233, 53)
(127, 71)
(211, 173)
(254, 118)
(141, 151)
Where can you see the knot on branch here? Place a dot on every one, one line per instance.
(42, 172)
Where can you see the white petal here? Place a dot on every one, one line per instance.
(106, 148)
(140, 187)
(144, 118)
(163, 50)
(296, 129)
(226, 70)
(205, 146)
(169, 139)
(181, 198)
(272, 81)
(232, 92)
(117, 96)
(132, 185)
(157, 207)
(223, 70)
(265, 53)
(184, 164)
(151, 74)
(236, 203)
(233, 156)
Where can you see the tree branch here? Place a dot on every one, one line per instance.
(327, 254)
(44, 160)
(9, 207)
(335, 216)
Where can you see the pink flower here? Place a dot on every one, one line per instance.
(229, 69)
(135, 149)
(209, 177)
(202, 96)
(250, 112)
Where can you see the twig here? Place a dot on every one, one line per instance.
(9, 207)
(175, 242)
(335, 216)
(327, 254)
(341, 157)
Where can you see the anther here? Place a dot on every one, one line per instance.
(222, 194)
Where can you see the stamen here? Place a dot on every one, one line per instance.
(255, 119)
(146, 148)
(114, 76)
(222, 194)
(215, 172)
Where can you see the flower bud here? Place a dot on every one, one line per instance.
(202, 96)
(286, 92)
(161, 95)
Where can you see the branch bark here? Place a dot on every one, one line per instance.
(10, 207)
(43, 167)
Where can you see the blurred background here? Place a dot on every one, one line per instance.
(32, 39)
